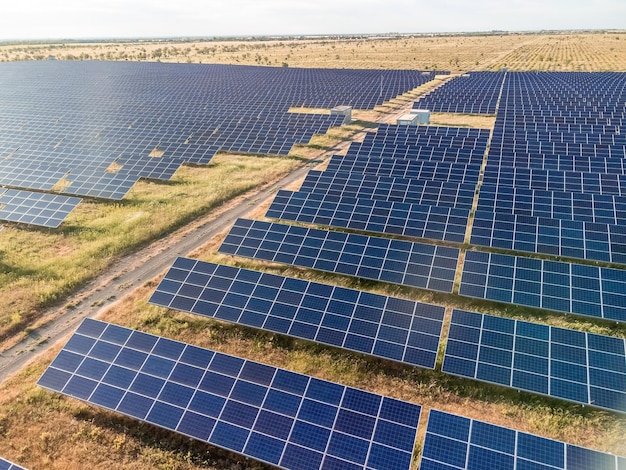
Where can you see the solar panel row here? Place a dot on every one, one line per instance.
(6, 465)
(385, 188)
(380, 259)
(26, 207)
(585, 368)
(564, 287)
(370, 215)
(454, 442)
(387, 327)
(572, 239)
(273, 415)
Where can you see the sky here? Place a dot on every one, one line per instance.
(86, 19)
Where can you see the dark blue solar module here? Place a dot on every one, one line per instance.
(386, 130)
(581, 367)
(384, 188)
(407, 168)
(96, 128)
(454, 442)
(380, 259)
(572, 239)
(391, 328)
(370, 215)
(555, 180)
(6, 465)
(26, 207)
(290, 420)
(596, 208)
(565, 287)
(471, 93)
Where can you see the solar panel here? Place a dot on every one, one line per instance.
(46, 210)
(384, 188)
(273, 415)
(380, 259)
(565, 287)
(573, 239)
(406, 168)
(387, 327)
(581, 367)
(370, 215)
(586, 207)
(455, 442)
(6, 465)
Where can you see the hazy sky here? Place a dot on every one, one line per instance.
(35, 19)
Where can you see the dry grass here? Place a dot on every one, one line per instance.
(584, 51)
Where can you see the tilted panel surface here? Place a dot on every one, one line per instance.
(387, 327)
(370, 215)
(553, 285)
(581, 367)
(381, 259)
(290, 420)
(454, 442)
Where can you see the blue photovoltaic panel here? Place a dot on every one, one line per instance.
(565, 287)
(387, 327)
(569, 238)
(46, 210)
(6, 465)
(454, 442)
(598, 208)
(371, 215)
(555, 180)
(395, 129)
(273, 415)
(581, 367)
(380, 259)
(463, 151)
(406, 168)
(384, 188)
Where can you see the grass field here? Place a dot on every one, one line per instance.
(567, 52)
(40, 267)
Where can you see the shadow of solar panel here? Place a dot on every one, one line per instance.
(272, 415)
(394, 261)
(387, 327)
(454, 442)
(565, 287)
(572, 239)
(384, 188)
(370, 215)
(581, 367)
(6, 465)
(45, 210)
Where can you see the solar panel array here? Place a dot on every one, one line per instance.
(386, 188)
(471, 93)
(31, 208)
(572, 239)
(273, 415)
(585, 368)
(454, 442)
(95, 128)
(564, 287)
(387, 327)
(6, 465)
(371, 215)
(380, 259)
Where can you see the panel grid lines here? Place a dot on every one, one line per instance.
(370, 215)
(455, 442)
(581, 367)
(387, 327)
(273, 415)
(553, 285)
(381, 259)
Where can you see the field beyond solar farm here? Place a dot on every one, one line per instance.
(43, 269)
